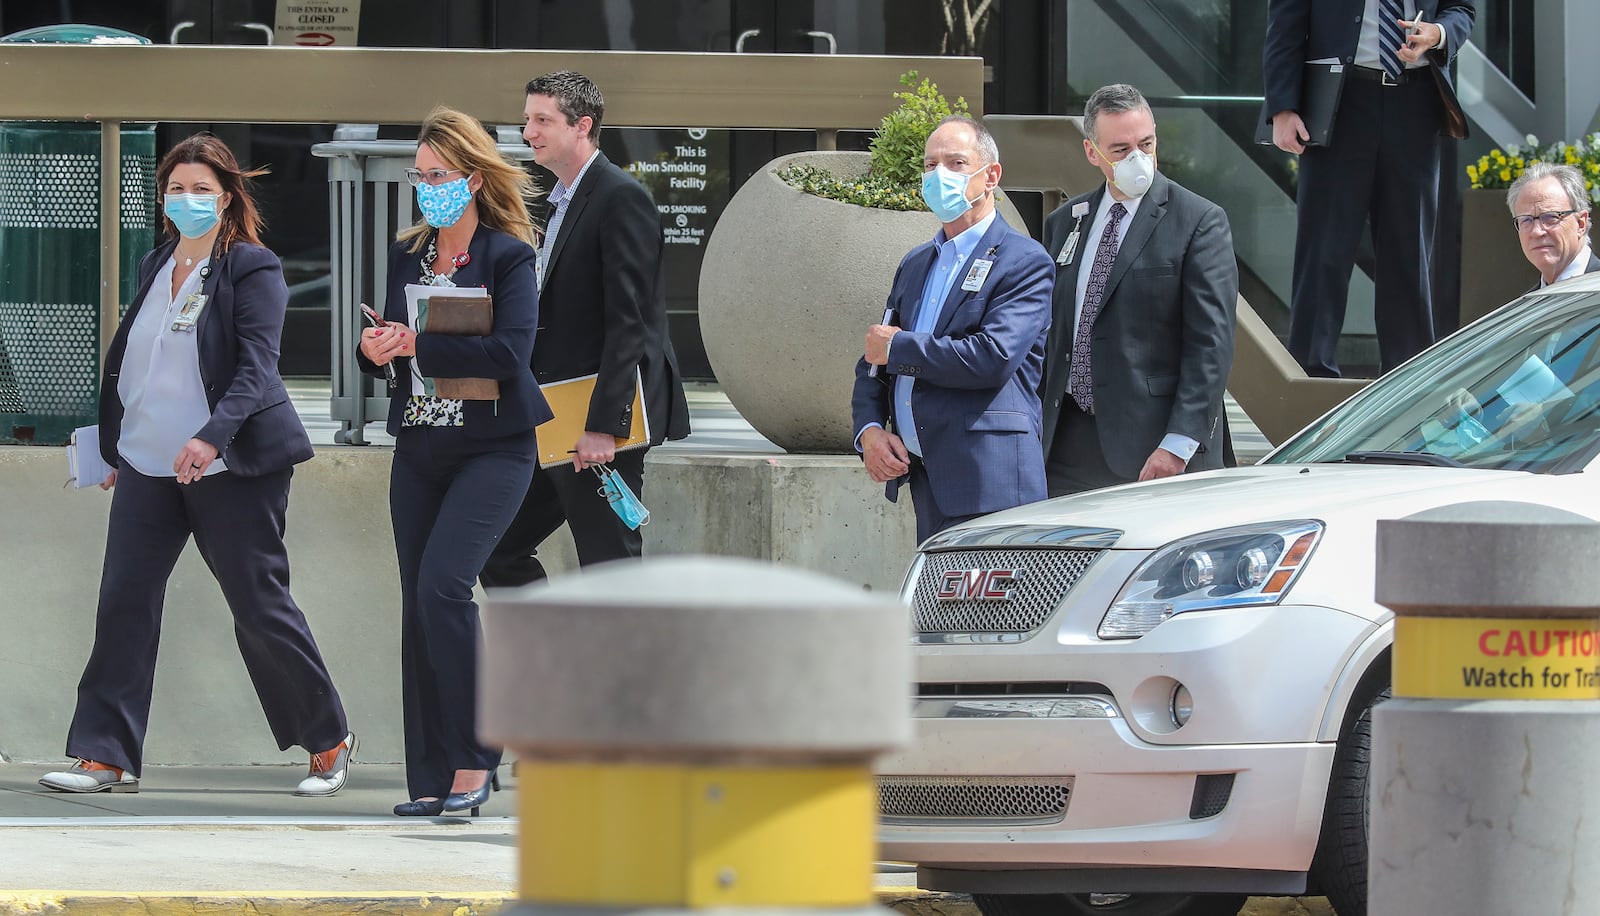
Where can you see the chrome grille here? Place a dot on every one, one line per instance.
(1012, 800)
(1048, 574)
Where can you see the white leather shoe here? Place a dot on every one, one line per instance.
(329, 769)
(88, 776)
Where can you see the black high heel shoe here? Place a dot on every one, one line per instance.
(420, 808)
(461, 801)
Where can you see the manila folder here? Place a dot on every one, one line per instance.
(463, 316)
(569, 401)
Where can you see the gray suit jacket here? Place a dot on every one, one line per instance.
(1162, 345)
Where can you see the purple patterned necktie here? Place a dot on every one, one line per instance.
(1082, 382)
(1389, 37)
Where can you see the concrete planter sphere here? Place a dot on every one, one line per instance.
(788, 287)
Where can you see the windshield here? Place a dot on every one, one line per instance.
(1518, 391)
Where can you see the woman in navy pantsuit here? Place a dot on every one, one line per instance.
(461, 467)
(203, 439)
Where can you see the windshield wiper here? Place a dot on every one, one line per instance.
(1419, 458)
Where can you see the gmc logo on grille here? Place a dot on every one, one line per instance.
(978, 584)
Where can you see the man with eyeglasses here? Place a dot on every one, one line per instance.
(1550, 208)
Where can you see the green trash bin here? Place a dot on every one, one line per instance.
(50, 257)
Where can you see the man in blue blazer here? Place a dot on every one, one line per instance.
(947, 391)
(1381, 163)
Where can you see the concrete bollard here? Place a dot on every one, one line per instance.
(1480, 796)
(695, 733)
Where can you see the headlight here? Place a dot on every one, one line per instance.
(1235, 567)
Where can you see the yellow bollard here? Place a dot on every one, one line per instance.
(696, 733)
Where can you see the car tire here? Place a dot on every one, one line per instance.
(1340, 864)
(1131, 905)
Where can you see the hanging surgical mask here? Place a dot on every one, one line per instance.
(621, 497)
(193, 214)
(945, 193)
(1133, 174)
(443, 204)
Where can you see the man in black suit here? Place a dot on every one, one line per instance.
(1382, 161)
(602, 309)
(1550, 207)
(1142, 337)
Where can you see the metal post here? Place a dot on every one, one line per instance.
(1479, 799)
(110, 230)
(695, 732)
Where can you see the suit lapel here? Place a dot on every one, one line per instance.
(1151, 210)
(575, 207)
(988, 249)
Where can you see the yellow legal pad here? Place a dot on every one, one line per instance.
(569, 400)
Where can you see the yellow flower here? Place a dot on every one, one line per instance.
(1472, 173)
(1505, 174)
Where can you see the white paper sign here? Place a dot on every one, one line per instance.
(317, 24)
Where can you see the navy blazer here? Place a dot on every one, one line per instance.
(1162, 345)
(976, 396)
(507, 267)
(253, 425)
(1305, 30)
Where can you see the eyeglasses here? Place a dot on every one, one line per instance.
(1546, 220)
(431, 176)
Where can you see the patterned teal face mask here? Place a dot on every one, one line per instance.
(621, 497)
(443, 204)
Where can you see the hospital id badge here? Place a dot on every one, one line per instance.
(976, 276)
(190, 312)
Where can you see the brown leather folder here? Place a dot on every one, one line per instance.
(463, 316)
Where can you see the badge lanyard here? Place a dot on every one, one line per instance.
(192, 306)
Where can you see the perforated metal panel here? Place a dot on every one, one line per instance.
(1015, 799)
(1046, 576)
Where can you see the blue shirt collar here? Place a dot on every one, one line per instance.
(967, 241)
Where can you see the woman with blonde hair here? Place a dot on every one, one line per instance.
(461, 467)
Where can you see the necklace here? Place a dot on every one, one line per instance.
(430, 278)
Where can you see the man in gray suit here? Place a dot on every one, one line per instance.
(1141, 339)
(1550, 208)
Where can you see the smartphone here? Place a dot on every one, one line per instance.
(373, 318)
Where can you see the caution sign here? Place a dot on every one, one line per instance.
(1490, 658)
(315, 24)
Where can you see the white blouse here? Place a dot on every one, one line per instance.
(163, 397)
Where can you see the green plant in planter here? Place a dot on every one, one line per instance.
(893, 180)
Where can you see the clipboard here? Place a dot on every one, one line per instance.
(569, 401)
(1321, 85)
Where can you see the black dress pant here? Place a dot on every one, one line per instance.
(1383, 163)
(1077, 461)
(557, 495)
(238, 525)
(451, 498)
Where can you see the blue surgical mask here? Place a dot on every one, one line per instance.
(193, 214)
(621, 497)
(945, 193)
(443, 204)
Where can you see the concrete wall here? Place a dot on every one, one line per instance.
(817, 512)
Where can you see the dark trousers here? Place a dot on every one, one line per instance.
(1384, 163)
(238, 525)
(451, 498)
(1077, 462)
(930, 519)
(557, 495)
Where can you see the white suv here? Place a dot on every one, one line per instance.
(1154, 699)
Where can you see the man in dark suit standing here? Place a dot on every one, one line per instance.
(1550, 208)
(602, 310)
(954, 367)
(1382, 161)
(1142, 337)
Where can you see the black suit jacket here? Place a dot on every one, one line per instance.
(603, 308)
(507, 267)
(1162, 344)
(1305, 30)
(253, 426)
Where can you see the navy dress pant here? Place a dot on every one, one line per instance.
(451, 498)
(238, 524)
(558, 495)
(1383, 163)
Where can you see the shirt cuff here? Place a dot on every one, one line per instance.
(859, 449)
(1180, 445)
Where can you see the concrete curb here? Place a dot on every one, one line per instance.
(908, 902)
